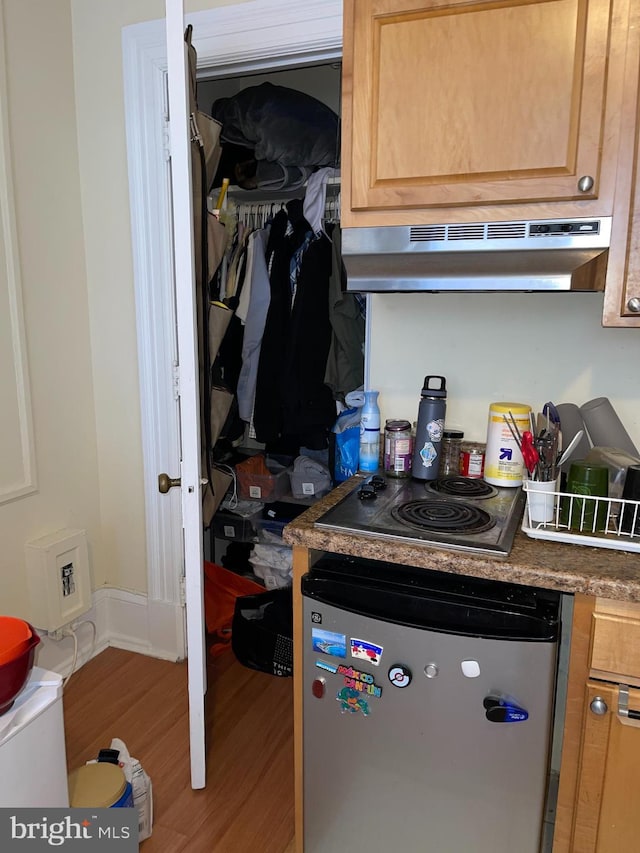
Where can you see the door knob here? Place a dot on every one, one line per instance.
(165, 482)
(598, 706)
(633, 305)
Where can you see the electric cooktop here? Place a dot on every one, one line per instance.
(452, 513)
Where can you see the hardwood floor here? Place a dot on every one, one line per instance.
(247, 804)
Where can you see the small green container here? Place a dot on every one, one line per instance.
(580, 513)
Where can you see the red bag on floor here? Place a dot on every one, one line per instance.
(221, 588)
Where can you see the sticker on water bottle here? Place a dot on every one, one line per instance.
(428, 454)
(435, 429)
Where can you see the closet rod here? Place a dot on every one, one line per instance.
(257, 213)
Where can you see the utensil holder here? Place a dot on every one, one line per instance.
(541, 499)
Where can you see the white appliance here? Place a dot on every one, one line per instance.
(33, 758)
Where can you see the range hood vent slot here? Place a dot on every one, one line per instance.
(427, 233)
(507, 230)
(466, 231)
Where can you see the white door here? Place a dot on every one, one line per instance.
(184, 269)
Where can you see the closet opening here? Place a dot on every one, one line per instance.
(285, 418)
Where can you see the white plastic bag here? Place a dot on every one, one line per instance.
(141, 785)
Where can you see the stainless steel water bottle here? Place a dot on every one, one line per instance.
(431, 414)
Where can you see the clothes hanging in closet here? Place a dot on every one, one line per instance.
(254, 321)
(267, 416)
(345, 361)
(308, 407)
(296, 341)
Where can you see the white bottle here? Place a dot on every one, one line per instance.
(369, 457)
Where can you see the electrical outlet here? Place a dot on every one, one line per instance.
(67, 579)
(59, 580)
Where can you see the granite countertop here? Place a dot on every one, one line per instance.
(555, 565)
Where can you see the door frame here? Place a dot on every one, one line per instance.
(229, 40)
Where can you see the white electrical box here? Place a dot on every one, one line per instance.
(59, 580)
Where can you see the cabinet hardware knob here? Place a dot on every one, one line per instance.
(585, 183)
(165, 482)
(598, 706)
(633, 305)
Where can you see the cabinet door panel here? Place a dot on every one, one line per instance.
(607, 817)
(476, 103)
(616, 641)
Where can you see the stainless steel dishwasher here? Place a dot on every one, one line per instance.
(427, 710)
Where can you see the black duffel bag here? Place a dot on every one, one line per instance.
(262, 631)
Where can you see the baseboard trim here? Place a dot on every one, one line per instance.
(124, 620)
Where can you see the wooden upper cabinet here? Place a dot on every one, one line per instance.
(622, 294)
(454, 111)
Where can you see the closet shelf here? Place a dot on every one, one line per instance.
(240, 196)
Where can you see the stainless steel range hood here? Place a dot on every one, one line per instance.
(541, 255)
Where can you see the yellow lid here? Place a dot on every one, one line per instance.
(96, 786)
(514, 408)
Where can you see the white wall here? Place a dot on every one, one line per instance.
(521, 347)
(41, 111)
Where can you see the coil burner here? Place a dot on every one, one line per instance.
(443, 516)
(462, 487)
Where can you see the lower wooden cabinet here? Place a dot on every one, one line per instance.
(598, 810)
(607, 816)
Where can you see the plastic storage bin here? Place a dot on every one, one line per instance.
(272, 526)
(236, 528)
(263, 487)
(275, 516)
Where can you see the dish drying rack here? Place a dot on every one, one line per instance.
(574, 507)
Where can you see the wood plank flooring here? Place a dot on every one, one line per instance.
(247, 806)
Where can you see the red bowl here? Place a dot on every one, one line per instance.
(14, 674)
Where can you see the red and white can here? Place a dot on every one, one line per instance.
(472, 459)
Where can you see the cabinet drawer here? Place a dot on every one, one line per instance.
(615, 639)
